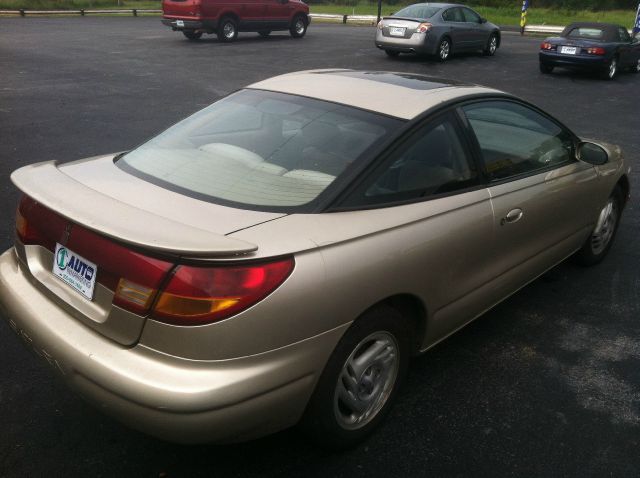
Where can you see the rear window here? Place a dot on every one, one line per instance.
(261, 150)
(590, 33)
(417, 11)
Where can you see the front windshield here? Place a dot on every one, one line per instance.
(417, 11)
(259, 148)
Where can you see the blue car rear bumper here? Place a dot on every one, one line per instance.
(574, 61)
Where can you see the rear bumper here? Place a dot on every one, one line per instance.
(423, 43)
(174, 24)
(578, 61)
(175, 399)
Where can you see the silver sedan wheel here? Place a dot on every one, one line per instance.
(444, 50)
(605, 227)
(493, 44)
(366, 381)
(229, 30)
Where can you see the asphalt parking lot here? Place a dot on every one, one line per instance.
(546, 384)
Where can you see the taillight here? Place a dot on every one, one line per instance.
(424, 27)
(200, 295)
(35, 224)
(596, 51)
(547, 46)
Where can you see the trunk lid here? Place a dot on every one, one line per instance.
(121, 226)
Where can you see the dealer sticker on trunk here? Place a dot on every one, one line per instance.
(75, 270)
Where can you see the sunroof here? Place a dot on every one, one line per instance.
(406, 80)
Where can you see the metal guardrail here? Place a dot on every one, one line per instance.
(327, 17)
(23, 12)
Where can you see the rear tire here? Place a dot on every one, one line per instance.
(392, 54)
(227, 29)
(192, 35)
(601, 238)
(636, 67)
(360, 381)
(298, 27)
(444, 49)
(612, 70)
(546, 69)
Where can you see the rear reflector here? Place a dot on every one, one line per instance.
(200, 295)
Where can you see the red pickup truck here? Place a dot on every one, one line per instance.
(228, 17)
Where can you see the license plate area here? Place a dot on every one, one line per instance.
(568, 50)
(396, 31)
(75, 271)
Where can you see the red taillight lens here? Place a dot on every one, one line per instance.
(200, 295)
(424, 27)
(35, 224)
(547, 46)
(596, 51)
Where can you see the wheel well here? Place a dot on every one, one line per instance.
(304, 16)
(623, 183)
(229, 15)
(412, 309)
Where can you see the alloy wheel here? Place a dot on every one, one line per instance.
(228, 30)
(613, 68)
(366, 381)
(605, 227)
(299, 26)
(444, 50)
(493, 45)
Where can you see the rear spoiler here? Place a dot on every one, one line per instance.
(48, 185)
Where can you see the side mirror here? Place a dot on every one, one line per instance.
(592, 153)
(483, 20)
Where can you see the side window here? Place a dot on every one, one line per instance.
(470, 16)
(453, 15)
(515, 139)
(433, 161)
(624, 35)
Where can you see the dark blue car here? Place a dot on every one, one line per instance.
(602, 47)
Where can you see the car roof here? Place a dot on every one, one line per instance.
(610, 29)
(402, 95)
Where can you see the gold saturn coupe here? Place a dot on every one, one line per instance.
(278, 257)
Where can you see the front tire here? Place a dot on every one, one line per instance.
(636, 67)
(298, 27)
(492, 45)
(444, 49)
(192, 35)
(360, 381)
(227, 30)
(601, 238)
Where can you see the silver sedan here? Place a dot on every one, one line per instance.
(436, 29)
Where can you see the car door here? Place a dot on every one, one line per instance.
(431, 188)
(626, 50)
(541, 195)
(477, 34)
(458, 30)
(278, 12)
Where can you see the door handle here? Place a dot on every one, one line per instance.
(512, 216)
